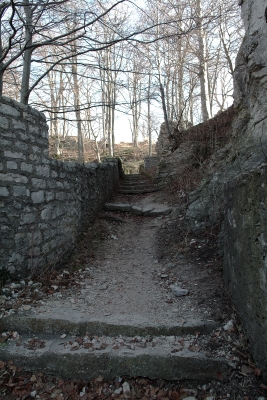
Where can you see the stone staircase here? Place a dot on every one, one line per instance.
(137, 184)
(78, 333)
(73, 346)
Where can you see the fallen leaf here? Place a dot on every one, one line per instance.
(262, 386)
(154, 391)
(88, 345)
(257, 371)
(2, 364)
(194, 348)
(245, 369)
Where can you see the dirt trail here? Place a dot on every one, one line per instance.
(124, 282)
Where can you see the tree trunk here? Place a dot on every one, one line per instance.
(149, 118)
(24, 93)
(76, 93)
(203, 68)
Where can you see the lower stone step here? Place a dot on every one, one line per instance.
(87, 358)
(60, 321)
(150, 210)
(139, 191)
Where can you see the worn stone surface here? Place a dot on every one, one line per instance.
(44, 198)
(153, 362)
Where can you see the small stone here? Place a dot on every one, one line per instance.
(229, 326)
(190, 398)
(103, 287)
(118, 391)
(26, 307)
(63, 336)
(177, 291)
(170, 265)
(126, 388)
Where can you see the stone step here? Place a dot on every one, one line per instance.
(138, 183)
(143, 187)
(134, 176)
(139, 191)
(150, 210)
(64, 320)
(89, 357)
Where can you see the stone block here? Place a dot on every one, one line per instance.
(8, 110)
(47, 213)
(19, 191)
(34, 157)
(14, 154)
(38, 197)
(38, 183)
(33, 129)
(26, 167)
(43, 170)
(11, 165)
(61, 196)
(3, 122)
(13, 178)
(49, 196)
(54, 174)
(21, 146)
(18, 125)
(4, 142)
(28, 218)
(59, 185)
(4, 191)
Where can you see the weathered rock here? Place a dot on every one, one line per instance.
(136, 210)
(117, 207)
(245, 255)
(177, 291)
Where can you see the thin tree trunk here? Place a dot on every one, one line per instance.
(24, 93)
(203, 68)
(149, 117)
(76, 93)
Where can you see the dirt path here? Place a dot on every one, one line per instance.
(124, 282)
(121, 276)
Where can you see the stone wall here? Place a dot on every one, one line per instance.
(245, 260)
(45, 204)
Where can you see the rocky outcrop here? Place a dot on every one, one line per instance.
(190, 149)
(245, 255)
(163, 145)
(234, 195)
(249, 148)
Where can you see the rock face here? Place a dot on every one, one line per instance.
(163, 145)
(245, 260)
(232, 194)
(249, 148)
(235, 193)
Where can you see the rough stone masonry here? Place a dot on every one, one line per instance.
(45, 204)
(245, 210)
